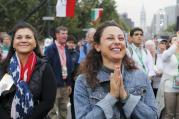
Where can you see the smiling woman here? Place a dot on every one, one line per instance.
(109, 85)
(24, 42)
(113, 43)
(31, 98)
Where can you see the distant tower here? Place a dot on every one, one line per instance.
(143, 19)
(177, 7)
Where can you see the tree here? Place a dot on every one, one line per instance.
(13, 11)
(110, 13)
(32, 11)
(171, 29)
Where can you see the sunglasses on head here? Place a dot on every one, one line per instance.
(136, 34)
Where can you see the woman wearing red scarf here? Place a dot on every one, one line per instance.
(33, 92)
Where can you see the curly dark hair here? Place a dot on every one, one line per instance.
(18, 26)
(93, 62)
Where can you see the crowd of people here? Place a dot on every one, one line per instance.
(103, 76)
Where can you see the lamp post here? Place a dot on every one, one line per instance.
(48, 18)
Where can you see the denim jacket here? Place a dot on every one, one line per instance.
(99, 104)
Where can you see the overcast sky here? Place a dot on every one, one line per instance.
(133, 8)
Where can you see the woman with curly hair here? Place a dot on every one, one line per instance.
(109, 86)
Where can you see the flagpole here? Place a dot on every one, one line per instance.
(48, 14)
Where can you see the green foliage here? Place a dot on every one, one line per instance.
(13, 11)
(171, 28)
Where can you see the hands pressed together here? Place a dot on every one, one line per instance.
(117, 89)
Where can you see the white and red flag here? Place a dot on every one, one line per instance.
(65, 8)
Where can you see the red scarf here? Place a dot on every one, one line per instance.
(26, 71)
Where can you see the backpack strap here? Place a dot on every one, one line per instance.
(155, 59)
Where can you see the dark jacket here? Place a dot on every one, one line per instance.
(43, 87)
(75, 56)
(53, 57)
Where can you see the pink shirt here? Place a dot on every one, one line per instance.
(62, 55)
(61, 52)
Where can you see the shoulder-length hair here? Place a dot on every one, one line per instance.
(18, 26)
(93, 62)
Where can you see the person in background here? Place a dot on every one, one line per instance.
(59, 57)
(47, 42)
(86, 44)
(150, 45)
(109, 85)
(73, 51)
(6, 41)
(74, 55)
(168, 92)
(139, 54)
(34, 92)
(71, 42)
(162, 46)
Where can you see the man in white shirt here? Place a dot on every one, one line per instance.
(139, 54)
